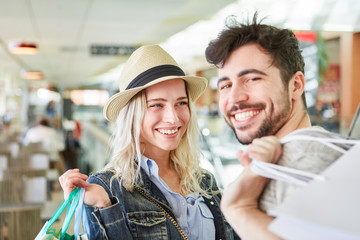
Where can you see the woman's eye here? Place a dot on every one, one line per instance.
(183, 103)
(155, 105)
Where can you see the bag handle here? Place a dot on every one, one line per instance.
(80, 214)
(60, 210)
(70, 212)
(326, 141)
(295, 176)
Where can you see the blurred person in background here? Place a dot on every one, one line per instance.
(153, 187)
(52, 115)
(50, 110)
(50, 139)
(261, 95)
(5, 128)
(72, 151)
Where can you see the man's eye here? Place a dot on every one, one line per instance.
(221, 87)
(252, 79)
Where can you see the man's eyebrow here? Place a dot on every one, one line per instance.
(242, 73)
(247, 71)
(222, 79)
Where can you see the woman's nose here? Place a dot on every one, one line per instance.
(171, 115)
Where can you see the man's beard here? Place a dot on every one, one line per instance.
(270, 126)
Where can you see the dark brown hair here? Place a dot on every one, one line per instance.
(279, 43)
(42, 120)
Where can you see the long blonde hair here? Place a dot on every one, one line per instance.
(126, 150)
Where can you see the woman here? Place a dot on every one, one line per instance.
(153, 187)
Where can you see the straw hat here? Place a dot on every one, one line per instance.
(147, 66)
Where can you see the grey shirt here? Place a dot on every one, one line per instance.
(311, 156)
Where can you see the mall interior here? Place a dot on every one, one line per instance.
(74, 54)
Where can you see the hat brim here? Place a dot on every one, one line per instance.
(196, 86)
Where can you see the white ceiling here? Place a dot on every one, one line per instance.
(64, 30)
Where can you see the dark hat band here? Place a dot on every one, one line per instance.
(155, 73)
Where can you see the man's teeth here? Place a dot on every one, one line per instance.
(168, 132)
(246, 115)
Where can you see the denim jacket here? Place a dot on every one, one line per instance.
(134, 215)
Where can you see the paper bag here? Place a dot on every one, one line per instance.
(327, 209)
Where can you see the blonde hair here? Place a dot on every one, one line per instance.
(126, 150)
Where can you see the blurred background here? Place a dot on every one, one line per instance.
(60, 61)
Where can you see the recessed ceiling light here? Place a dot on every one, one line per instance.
(22, 48)
(32, 75)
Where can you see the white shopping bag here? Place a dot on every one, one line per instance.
(328, 209)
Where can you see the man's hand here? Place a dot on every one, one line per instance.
(240, 199)
(265, 149)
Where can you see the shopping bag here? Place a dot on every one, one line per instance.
(72, 205)
(326, 209)
(295, 176)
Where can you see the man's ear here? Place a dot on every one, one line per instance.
(297, 85)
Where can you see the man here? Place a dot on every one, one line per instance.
(49, 138)
(261, 95)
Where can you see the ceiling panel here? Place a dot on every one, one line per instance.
(65, 29)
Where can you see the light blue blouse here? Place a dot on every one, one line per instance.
(192, 214)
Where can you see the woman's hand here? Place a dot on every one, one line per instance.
(95, 195)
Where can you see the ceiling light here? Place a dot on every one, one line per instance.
(22, 48)
(32, 75)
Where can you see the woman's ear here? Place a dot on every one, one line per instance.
(297, 85)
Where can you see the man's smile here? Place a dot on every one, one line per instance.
(245, 115)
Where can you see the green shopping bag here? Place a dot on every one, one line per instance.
(50, 233)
